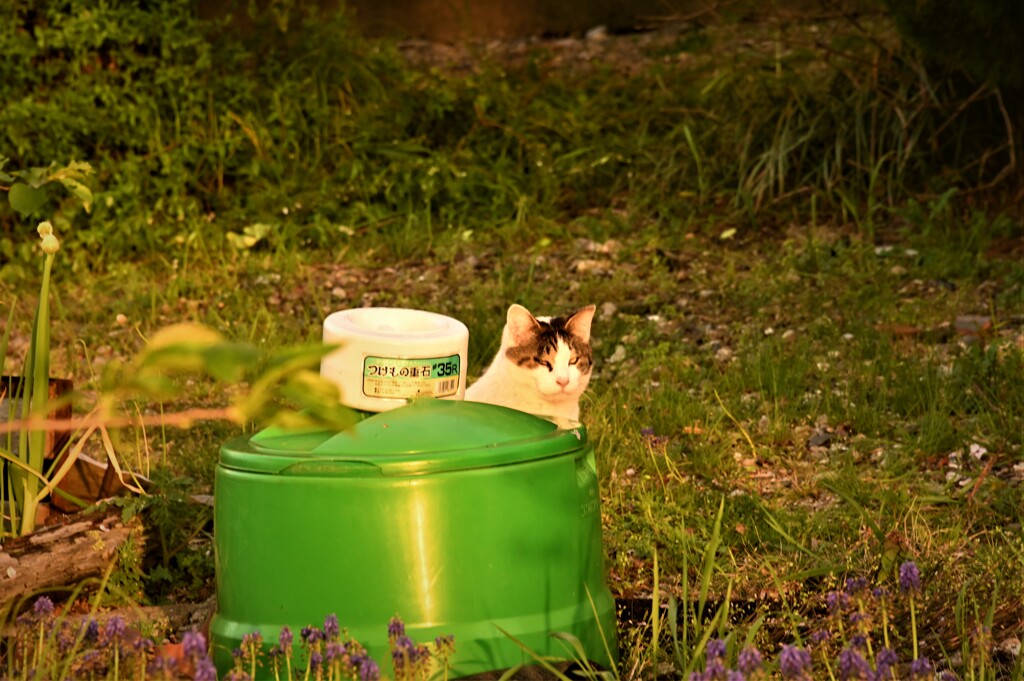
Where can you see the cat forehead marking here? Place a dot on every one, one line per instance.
(545, 343)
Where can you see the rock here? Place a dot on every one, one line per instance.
(973, 326)
(608, 310)
(789, 335)
(898, 270)
(820, 438)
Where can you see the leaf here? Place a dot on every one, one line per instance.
(79, 191)
(250, 236)
(26, 199)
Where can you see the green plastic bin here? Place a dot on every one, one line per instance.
(461, 518)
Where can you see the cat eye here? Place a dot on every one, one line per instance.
(574, 361)
(544, 363)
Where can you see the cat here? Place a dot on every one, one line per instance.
(542, 366)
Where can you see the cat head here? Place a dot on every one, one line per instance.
(553, 351)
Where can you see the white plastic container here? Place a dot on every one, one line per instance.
(389, 355)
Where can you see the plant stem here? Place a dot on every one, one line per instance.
(36, 401)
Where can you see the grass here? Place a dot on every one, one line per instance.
(756, 212)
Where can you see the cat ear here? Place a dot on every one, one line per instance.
(579, 323)
(522, 325)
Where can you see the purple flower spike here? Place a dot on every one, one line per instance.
(884, 662)
(910, 577)
(853, 666)
(396, 629)
(368, 669)
(749, 660)
(696, 676)
(92, 631)
(115, 628)
(315, 660)
(331, 627)
(715, 669)
(42, 607)
(285, 640)
(836, 601)
(855, 585)
(794, 662)
(194, 645)
(311, 635)
(205, 671)
(715, 649)
(735, 676)
(921, 668)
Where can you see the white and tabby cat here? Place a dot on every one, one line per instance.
(543, 365)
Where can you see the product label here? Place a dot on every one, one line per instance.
(401, 378)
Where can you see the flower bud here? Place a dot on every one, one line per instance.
(50, 245)
(44, 228)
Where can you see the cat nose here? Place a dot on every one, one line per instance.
(562, 381)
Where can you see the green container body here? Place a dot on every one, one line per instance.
(461, 518)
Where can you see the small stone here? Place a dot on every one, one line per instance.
(723, 354)
(339, 292)
(973, 325)
(618, 355)
(121, 319)
(11, 573)
(789, 335)
(821, 438)
(1011, 646)
(608, 310)
(588, 265)
(706, 293)
(769, 331)
(898, 270)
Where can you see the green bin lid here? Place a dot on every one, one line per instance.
(425, 436)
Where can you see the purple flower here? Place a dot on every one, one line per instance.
(853, 666)
(836, 601)
(715, 649)
(735, 676)
(820, 636)
(194, 645)
(115, 628)
(858, 642)
(42, 607)
(714, 670)
(948, 676)
(335, 650)
(331, 628)
(205, 671)
(794, 662)
(311, 635)
(92, 630)
(921, 668)
(880, 592)
(396, 629)
(855, 584)
(885, 660)
(284, 640)
(237, 653)
(144, 645)
(749, 660)
(697, 676)
(910, 577)
(368, 669)
(315, 660)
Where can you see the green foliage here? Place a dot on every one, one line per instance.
(195, 127)
(981, 37)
